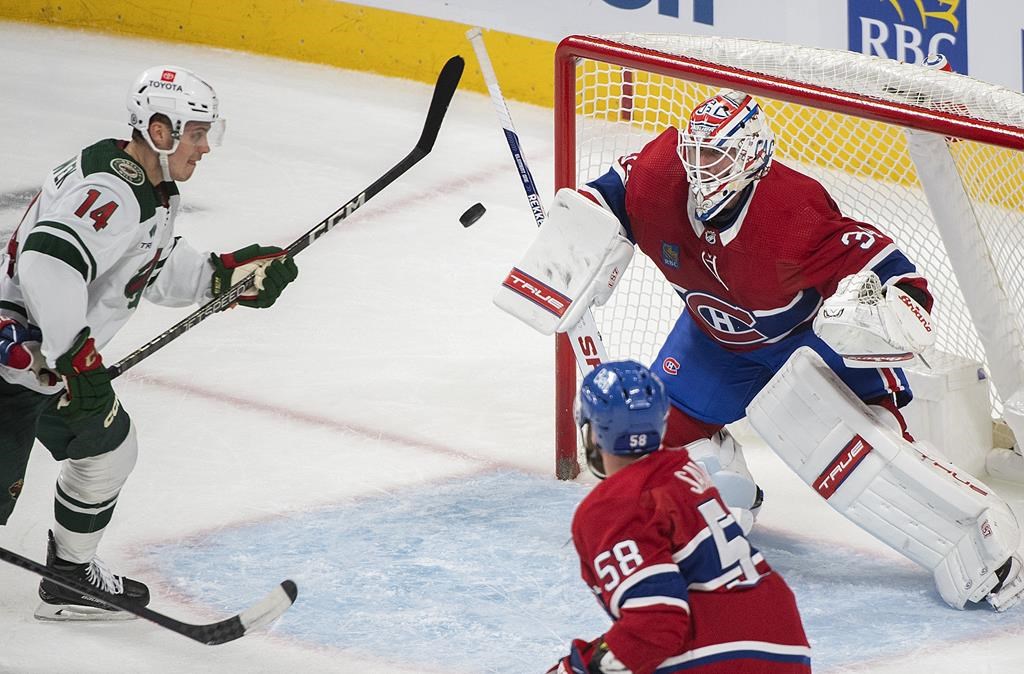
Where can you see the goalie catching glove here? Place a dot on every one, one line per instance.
(576, 261)
(871, 325)
(273, 267)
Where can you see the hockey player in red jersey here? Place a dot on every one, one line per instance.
(785, 295)
(752, 246)
(797, 317)
(666, 559)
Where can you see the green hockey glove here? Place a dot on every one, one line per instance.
(274, 270)
(87, 389)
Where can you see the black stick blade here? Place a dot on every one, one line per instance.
(444, 90)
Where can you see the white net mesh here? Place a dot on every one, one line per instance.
(863, 163)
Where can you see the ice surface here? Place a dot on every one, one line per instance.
(383, 435)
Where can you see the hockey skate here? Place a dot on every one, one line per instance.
(1009, 591)
(61, 603)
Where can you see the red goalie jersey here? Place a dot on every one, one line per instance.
(761, 277)
(684, 587)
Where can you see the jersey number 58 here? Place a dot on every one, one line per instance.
(615, 564)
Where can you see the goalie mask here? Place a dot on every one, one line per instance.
(622, 409)
(726, 146)
(182, 97)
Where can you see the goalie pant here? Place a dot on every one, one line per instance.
(686, 590)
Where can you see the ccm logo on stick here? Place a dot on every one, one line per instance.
(537, 292)
(844, 463)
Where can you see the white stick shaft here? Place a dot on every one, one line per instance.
(587, 345)
(505, 119)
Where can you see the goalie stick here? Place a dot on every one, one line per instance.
(262, 613)
(584, 338)
(444, 90)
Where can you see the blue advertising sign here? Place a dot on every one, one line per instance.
(703, 10)
(910, 30)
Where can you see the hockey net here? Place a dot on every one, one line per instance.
(843, 118)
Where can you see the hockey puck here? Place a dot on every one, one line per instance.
(472, 214)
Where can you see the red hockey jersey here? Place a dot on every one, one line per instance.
(684, 587)
(757, 280)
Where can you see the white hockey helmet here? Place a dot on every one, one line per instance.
(181, 96)
(726, 146)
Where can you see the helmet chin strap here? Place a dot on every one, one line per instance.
(165, 167)
(163, 156)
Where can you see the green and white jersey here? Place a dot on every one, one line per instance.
(96, 240)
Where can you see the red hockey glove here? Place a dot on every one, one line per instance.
(274, 270)
(88, 391)
(13, 336)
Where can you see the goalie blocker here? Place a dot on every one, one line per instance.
(575, 261)
(927, 509)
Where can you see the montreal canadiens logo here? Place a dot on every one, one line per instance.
(726, 323)
(670, 365)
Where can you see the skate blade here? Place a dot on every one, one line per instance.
(65, 612)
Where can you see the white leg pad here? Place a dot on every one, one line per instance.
(721, 455)
(936, 515)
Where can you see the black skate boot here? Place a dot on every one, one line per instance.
(60, 603)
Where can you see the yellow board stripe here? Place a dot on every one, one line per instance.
(316, 31)
(368, 39)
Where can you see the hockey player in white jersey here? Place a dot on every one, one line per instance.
(96, 240)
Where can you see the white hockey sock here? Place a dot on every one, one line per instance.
(85, 496)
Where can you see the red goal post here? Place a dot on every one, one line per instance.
(952, 197)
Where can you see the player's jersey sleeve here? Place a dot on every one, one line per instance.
(625, 558)
(609, 191)
(76, 238)
(842, 246)
(181, 277)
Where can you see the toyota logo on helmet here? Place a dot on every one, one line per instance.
(179, 95)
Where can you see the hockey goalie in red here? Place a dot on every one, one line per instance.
(666, 559)
(798, 318)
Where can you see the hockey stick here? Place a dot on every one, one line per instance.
(584, 338)
(586, 342)
(444, 90)
(258, 615)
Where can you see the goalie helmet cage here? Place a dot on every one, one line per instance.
(933, 158)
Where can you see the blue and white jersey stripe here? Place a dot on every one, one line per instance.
(758, 650)
(657, 581)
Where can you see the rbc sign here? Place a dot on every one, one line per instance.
(910, 30)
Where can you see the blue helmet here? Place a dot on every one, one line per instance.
(625, 406)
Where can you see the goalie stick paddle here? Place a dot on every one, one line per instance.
(260, 614)
(444, 90)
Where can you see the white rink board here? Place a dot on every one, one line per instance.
(993, 30)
